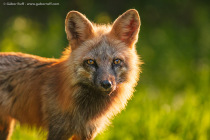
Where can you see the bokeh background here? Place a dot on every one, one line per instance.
(172, 99)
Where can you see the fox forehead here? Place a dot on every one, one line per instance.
(103, 51)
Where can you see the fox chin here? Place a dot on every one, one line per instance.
(74, 96)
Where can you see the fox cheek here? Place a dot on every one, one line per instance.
(84, 76)
(121, 75)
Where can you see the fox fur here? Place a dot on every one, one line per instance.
(74, 96)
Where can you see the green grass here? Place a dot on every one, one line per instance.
(154, 115)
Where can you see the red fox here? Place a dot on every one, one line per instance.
(74, 96)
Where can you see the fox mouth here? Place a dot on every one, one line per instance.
(107, 91)
(98, 89)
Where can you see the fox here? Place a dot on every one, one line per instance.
(73, 97)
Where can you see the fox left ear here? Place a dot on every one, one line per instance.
(78, 28)
(126, 27)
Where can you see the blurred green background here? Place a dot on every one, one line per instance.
(172, 99)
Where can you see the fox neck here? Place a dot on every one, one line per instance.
(91, 103)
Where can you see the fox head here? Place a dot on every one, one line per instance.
(103, 57)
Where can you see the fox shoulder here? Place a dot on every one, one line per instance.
(19, 60)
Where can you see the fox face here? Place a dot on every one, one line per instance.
(103, 56)
(103, 68)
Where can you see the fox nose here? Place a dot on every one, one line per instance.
(106, 84)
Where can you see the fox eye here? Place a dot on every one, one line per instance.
(116, 61)
(90, 62)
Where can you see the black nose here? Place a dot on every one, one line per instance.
(106, 84)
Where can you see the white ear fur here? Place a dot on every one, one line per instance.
(78, 28)
(126, 27)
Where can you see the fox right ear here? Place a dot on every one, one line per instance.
(78, 28)
(126, 27)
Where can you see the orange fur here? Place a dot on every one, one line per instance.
(67, 96)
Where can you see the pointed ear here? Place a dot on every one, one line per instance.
(78, 28)
(126, 27)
